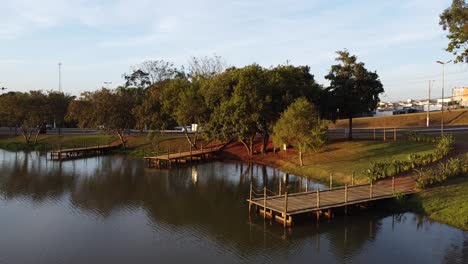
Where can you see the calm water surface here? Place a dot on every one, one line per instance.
(113, 210)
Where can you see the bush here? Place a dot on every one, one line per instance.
(454, 167)
(380, 170)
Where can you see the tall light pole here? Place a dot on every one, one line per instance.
(429, 103)
(60, 77)
(3, 89)
(443, 83)
(107, 84)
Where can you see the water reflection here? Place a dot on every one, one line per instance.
(167, 214)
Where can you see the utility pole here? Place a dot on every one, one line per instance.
(60, 77)
(443, 83)
(429, 104)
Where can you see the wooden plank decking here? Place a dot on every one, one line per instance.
(283, 207)
(166, 160)
(81, 152)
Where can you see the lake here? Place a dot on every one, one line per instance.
(112, 209)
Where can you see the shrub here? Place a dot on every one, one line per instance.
(454, 167)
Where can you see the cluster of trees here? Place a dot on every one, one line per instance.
(30, 112)
(228, 103)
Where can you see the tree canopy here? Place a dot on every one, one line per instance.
(300, 126)
(353, 89)
(109, 109)
(455, 20)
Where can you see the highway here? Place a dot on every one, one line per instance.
(358, 133)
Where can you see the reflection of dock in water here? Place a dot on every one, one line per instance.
(283, 207)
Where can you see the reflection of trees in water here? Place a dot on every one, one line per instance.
(34, 179)
(213, 204)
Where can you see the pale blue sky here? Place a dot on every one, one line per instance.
(97, 41)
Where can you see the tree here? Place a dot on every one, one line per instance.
(150, 72)
(57, 107)
(286, 83)
(455, 20)
(300, 127)
(150, 113)
(206, 67)
(27, 111)
(111, 109)
(353, 89)
(181, 100)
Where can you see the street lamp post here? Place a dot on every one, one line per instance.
(443, 83)
(3, 89)
(107, 84)
(429, 103)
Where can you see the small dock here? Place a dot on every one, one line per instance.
(82, 152)
(169, 159)
(284, 207)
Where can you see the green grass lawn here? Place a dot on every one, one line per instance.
(137, 145)
(447, 203)
(344, 158)
(54, 142)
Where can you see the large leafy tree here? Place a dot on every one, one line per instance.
(300, 127)
(286, 83)
(182, 101)
(150, 113)
(150, 72)
(27, 111)
(455, 20)
(111, 109)
(353, 89)
(57, 107)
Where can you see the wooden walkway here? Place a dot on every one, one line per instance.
(82, 152)
(167, 160)
(283, 207)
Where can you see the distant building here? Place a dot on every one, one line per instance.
(460, 95)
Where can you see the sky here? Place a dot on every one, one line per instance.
(98, 41)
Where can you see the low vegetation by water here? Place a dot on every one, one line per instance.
(344, 158)
(446, 203)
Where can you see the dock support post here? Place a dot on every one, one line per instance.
(394, 134)
(393, 184)
(250, 197)
(318, 197)
(264, 202)
(331, 180)
(346, 193)
(285, 207)
(371, 191)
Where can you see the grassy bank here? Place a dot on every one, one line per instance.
(451, 118)
(136, 145)
(341, 158)
(447, 203)
(48, 142)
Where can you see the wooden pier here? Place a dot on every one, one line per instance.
(169, 159)
(82, 152)
(284, 207)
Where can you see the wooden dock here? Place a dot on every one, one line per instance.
(169, 159)
(283, 207)
(82, 152)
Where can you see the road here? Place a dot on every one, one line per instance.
(358, 133)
